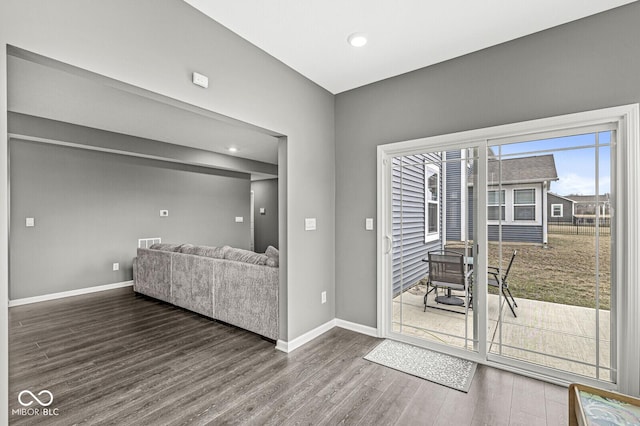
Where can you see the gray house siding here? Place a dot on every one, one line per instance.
(409, 247)
(567, 208)
(516, 233)
(453, 197)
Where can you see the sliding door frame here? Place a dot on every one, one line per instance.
(626, 239)
(385, 242)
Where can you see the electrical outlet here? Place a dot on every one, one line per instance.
(323, 296)
(116, 266)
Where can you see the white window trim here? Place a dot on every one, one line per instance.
(509, 205)
(536, 206)
(431, 236)
(561, 210)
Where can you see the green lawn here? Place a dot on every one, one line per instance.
(564, 272)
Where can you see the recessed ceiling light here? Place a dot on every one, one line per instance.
(232, 149)
(357, 39)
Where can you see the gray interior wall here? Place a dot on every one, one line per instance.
(158, 52)
(588, 64)
(91, 207)
(265, 194)
(283, 223)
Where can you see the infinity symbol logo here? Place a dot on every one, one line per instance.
(26, 404)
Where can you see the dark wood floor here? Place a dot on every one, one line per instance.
(119, 358)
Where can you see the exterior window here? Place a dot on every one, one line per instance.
(524, 204)
(432, 202)
(495, 205)
(556, 210)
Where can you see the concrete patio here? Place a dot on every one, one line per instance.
(564, 334)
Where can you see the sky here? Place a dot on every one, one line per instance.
(576, 167)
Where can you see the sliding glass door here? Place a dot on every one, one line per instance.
(503, 246)
(433, 201)
(550, 222)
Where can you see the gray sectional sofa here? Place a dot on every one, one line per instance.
(232, 285)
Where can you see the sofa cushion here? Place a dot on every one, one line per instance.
(246, 256)
(188, 249)
(272, 252)
(206, 251)
(166, 247)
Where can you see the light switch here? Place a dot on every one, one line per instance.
(368, 224)
(263, 210)
(30, 222)
(164, 213)
(310, 224)
(239, 219)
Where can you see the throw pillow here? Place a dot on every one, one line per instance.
(274, 256)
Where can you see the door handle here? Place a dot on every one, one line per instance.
(389, 244)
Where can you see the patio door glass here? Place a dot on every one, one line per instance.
(543, 213)
(550, 204)
(433, 204)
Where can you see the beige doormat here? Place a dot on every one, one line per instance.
(436, 367)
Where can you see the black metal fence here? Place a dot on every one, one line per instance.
(580, 227)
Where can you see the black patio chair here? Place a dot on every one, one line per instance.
(494, 280)
(447, 270)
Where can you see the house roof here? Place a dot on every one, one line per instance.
(588, 198)
(538, 168)
(553, 194)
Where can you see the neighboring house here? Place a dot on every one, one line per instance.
(516, 201)
(560, 209)
(587, 205)
(519, 204)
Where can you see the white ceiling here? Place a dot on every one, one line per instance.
(310, 36)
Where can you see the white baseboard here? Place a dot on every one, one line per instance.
(294, 344)
(358, 328)
(287, 347)
(53, 296)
